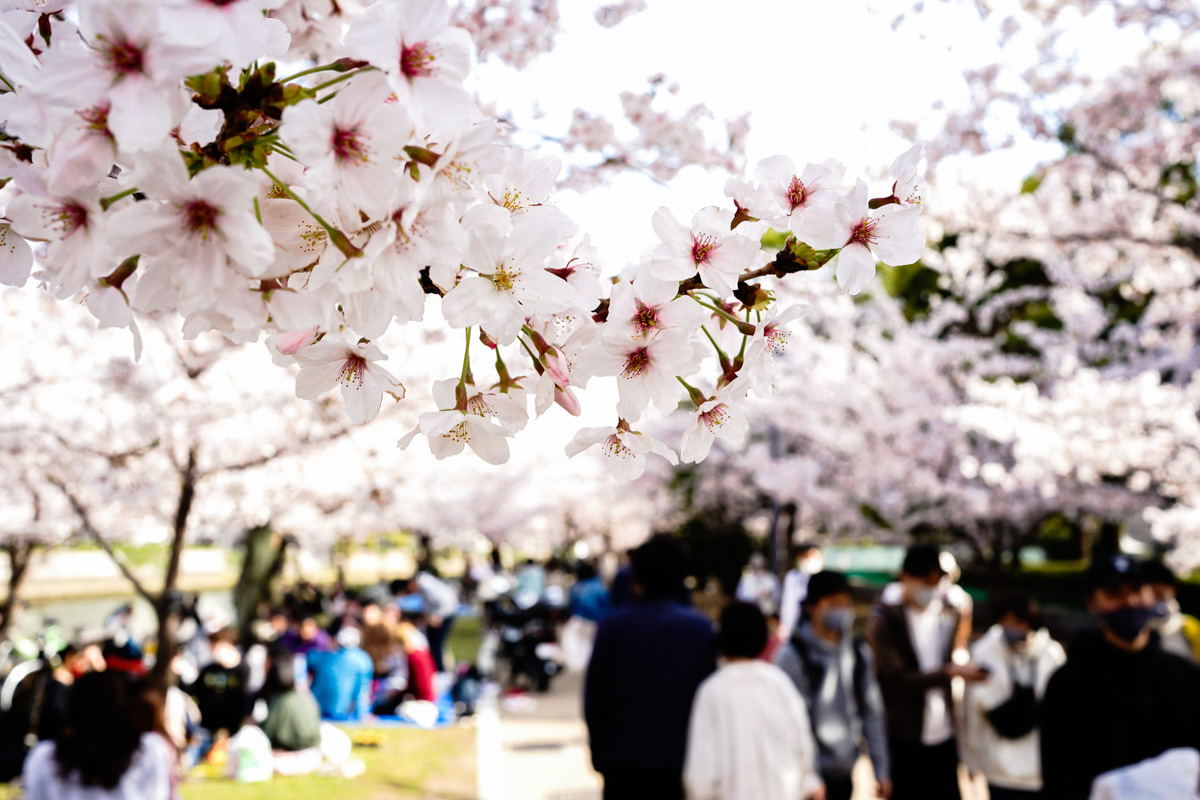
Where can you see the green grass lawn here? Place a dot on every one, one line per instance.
(465, 637)
(409, 764)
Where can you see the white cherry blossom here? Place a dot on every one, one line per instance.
(624, 449)
(894, 234)
(708, 247)
(331, 363)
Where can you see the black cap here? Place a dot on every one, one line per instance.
(922, 559)
(1158, 572)
(1109, 572)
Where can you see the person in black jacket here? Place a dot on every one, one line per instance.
(649, 658)
(1120, 698)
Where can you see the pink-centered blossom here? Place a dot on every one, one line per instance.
(331, 363)
(894, 234)
(646, 369)
(722, 417)
(424, 58)
(709, 248)
(625, 450)
(800, 200)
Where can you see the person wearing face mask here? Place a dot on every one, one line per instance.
(1001, 729)
(913, 641)
(835, 674)
(1178, 633)
(809, 562)
(1120, 698)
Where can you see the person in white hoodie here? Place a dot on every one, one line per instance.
(1001, 738)
(749, 736)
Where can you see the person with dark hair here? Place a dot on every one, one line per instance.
(222, 688)
(102, 752)
(749, 737)
(648, 659)
(304, 636)
(1120, 699)
(1178, 633)
(1001, 736)
(590, 599)
(835, 674)
(912, 642)
(293, 720)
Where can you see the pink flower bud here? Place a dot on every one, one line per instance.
(558, 367)
(567, 399)
(292, 342)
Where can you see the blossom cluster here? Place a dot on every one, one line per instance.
(154, 162)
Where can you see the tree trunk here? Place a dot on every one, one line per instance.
(168, 603)
(19, 553)
(265, 552)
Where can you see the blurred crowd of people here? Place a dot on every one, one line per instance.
(783, 698)
(87, 721)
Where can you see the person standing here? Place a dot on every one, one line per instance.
(1120, 698)
(757, 585)
(809, 561)
(647, 662)
(1179, 633)
(913, 641)
(1001, 737)
(441, 609)
(748, 716)
(835, 674)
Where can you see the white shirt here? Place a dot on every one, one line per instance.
(760, 588)
(1008, 763)
(749, 737)
(930, 632)
(148, 776)
(795, 589)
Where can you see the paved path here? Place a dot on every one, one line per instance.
(542, 754)
(539, 754)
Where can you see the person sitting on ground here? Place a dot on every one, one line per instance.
(293, 720)
(746, 716)
(340, 680)
(834, 672)
(379, 640)
(1000, 734)
(222, 689)
(74, 661)
(101, 754)
(648, 660)
(1178, 633)
(1120, 699)
(421, 667)
(305, 636)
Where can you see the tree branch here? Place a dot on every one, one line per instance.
(90, 530)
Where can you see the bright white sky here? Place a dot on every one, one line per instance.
(820, 78)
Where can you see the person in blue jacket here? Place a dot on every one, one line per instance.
(340, 679)
(590, 599)
(649, 658)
